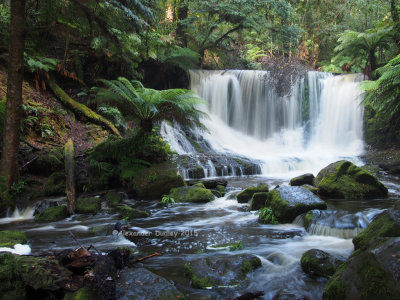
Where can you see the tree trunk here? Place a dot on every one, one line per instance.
(372, 60)
(183, 11)
(146, 125)
(9, 158)
(70, 176)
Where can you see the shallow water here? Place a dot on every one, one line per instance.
(185, 232)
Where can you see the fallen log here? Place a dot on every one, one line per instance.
(80, 108)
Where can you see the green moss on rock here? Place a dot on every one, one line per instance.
(198, 282)
(221, 189)
(246, 195)
(88, 205)
(17, 273)
(157, 180)
(343, 179)
(319, 263)
(53, 214)
(288, 202)
(191, 194)
(55, 185)
(302, 179)
(386, 224)
(113, 198)
(8, 238)
(129, 213)
(258, 201)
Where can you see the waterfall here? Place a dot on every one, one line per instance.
(316, 123)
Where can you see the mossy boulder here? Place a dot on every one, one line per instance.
(199, 184)
(113, 198)
(192, 194)
(221, 189)
(157, 180)
(211, 184)
(320, 263)
(52, 214)
(55, 185)
(221, 270)
(371, 274)
(88, 205)
(246, 195)
(140, 283)
(20, 274)
(258, 201)
(386, 224)
(290, 201)
(343, 179)
(47, 162)
(9, 238)
(84, 293)
(302, 179)
(130, 213)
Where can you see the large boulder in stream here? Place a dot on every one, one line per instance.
(141, 284)
(221, 270)
(288, 202)
(157, 180)
(53, 214)
(302, 179)
(372, 271)
(88, 205)
(343, 179)
(320, 263)
(246, 195)
(192, 194)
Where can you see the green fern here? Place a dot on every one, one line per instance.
(148, 105)
(267, 216)
(113, 114)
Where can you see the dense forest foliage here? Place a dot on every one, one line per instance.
(78, 42)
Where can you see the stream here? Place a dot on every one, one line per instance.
(184, 232)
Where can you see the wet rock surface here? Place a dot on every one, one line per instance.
(290, 201)
(141, 284)
(320, 263)
(302, 179)
(192, 194)
(221, 270)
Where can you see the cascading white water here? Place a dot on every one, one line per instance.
(318, 122)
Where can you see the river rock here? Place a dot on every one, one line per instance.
(209, 183)
(52, 214)
(284, 295)
(288, 202)
(246, 195)
(386, 224)
(221, 270)
(9, 238)
(258, 201)
(40, 277)
(113, 198)
(371, 274)
(320, 263)
(302, 179)
(157, 180)
(141, 284)
(193, 194)
(88, 205)
(343, 179)
(126, 212)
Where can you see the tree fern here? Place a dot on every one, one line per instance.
(384, 93)
(148, 105)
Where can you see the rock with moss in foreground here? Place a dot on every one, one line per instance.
(53, 214)
(372, 271)
(288, 202)
(157, 180)
(9, 238)
(88, 205)
(139, 283)
(130, 213)
(192, 194)
(320, 263)
(221, 270)
(20, 275)
(246, 195)
(343, 179)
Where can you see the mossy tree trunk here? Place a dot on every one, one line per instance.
(80, 108)
(8, 164)
(70, 176)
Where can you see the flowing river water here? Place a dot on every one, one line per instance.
(289, 144)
